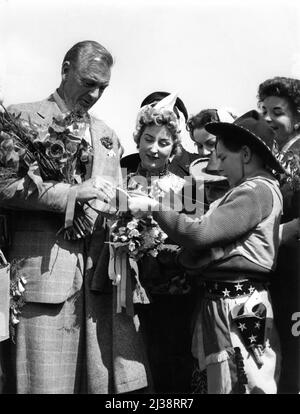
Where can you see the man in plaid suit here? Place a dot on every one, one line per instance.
(50, 354)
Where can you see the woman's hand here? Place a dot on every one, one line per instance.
(141, 203)
(157, 192)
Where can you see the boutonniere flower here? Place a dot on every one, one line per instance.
(107, 142)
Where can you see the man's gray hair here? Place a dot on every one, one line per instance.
(90, 50)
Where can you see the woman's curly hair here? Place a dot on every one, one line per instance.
(149, 115)
(282, 87)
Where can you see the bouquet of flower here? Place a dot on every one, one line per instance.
(59, 152)
(140, 236)
(132, 238)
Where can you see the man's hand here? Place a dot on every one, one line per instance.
(96, 187)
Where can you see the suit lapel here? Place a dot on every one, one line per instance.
(46, 111)
(104, 165)
(96, 163)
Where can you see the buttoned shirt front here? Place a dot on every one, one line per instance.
(84, 126)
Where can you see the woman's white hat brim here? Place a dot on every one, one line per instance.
(197, 171)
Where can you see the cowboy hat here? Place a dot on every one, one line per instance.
(253, 129)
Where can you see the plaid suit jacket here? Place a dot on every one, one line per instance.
(49, 262)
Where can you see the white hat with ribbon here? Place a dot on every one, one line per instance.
(206, 169)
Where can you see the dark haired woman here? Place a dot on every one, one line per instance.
(279, 101)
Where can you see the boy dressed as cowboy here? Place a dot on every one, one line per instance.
(234, 248)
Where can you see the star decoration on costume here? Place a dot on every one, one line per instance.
(242, 326)
(238, 286)
(251, 289)
(257, 325)
(252, 338)
(226, 293)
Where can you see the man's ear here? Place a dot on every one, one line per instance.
(65, 69)
(246, 154)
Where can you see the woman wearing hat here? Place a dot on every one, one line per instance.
(179, 163)
(234, 247)
(279, 101)
(165, 321)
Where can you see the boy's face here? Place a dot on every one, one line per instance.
(230, 164)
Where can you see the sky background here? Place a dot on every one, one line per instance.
(213, 53)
